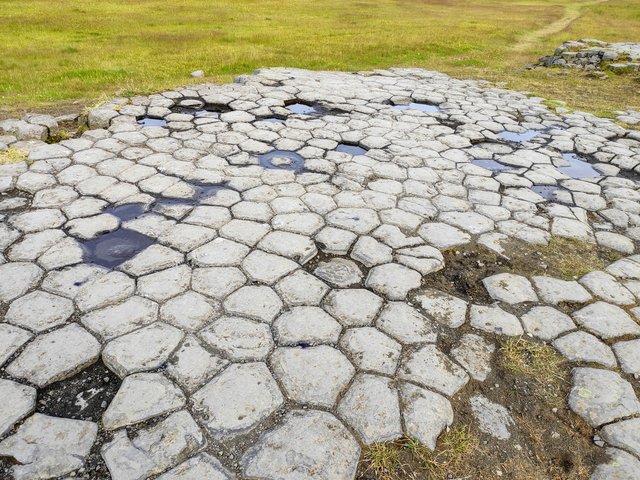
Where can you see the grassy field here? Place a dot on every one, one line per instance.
(62, 55)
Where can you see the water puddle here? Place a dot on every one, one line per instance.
(282, 160)
(422, 107)
(491, 165)
(519, 137)
(578, 167)
(198, 108)
(272, 120)
(350, 149)
(548, 192)
(127, 212)
(304, 108)
(152, 122)
(114, 248)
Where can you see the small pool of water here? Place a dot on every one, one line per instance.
(114, 248)
(422, 107)
(519, 137)
(351, 149)
(547, 192)
(491, 165)
(578, 167)
(303, 108)
(282, 160)
(152, 122)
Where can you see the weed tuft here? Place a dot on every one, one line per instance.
(12, 155)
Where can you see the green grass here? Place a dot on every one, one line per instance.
(53, 54)
(12, 155)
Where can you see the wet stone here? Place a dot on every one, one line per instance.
(113, 249)
(282, 160)
(152, 122)
(578, 167)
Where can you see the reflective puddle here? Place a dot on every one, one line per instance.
(422, 107)
(519, 137)
(303, 108)
(114, 248)
(578, 167)
(350, 149)
(548, 192)
(491, 165)
(272, 120)
(127, 212)
(282, 160)
(152, 122)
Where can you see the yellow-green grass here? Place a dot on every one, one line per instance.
(12, 155)
(53, 54)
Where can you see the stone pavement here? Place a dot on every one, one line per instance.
(247, 261)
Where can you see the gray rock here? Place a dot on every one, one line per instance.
(493, 419)
(584, 347)
(628, 353)
(605, 286)
(406, 324)
(431, 368)
(622, 466)
(444, 308)
(23, 277)
(624, 434)
(393, 281)
(18, 402)
(202, 466)
(606, 320)
(474, 354)
(306, 325)
(339, 273)
(116, 320)
(371, 350)
(425, 428)
(353, 307)
(493, 319)
(239, 339)
(39, 311)
(546, 323)
(555, 291)
(509, 288)
(192, 365)
(257, 302)
(11, 339)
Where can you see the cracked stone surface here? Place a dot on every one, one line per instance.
(233, 299)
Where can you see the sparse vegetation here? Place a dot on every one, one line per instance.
(12, 155)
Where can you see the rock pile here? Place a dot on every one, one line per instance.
(593, 55)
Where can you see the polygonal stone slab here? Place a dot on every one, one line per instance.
(430, 367)
(622, 466)
(23, 277)
(353, 307)
(601, 396)
(219, 253)
(240, 339)
(260, 303)
(192, 365)
(152, 259)
(48, 447)
(142, 396)
(546, 323)
(301, 288)
(492, 319)
(306, 325)
(11, 339)
(509, 288)
(163, 285)
(628, 353)
(393, 281)
(426, 414)
(624, 434)
(357, 220)
(306, 444)
(267, 268)
(314, 375)
(104, 290)
(606, 320)
(200, 467)
(56, 355)
(39, 311)
(584, 347)
(371, 349)
(217, 282)
(474, 354)
(18, 401)
(406, 324)
(291, 245)
(444, 308)
(190, 311)
(493, 419)
(605, 286)
(238, 399)
(371, 406)
(339, 272)
(125, 317)
(555, 291)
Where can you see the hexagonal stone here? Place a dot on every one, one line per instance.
(546, 323)
(152, 259)
(555, 291)
(339, 272)
(90, 227)
(163, 285)
(239, 339)
(207, 216)
(143, 349)
(492, 319)
(125, 317)
(55, 356)
(140, 397)
(442, 235)
(472, 222)
(626, 268)
(602, 396)
(606, 320)
(267, 268)
(23, 277)
(605, 286)
(48, 447)
(353, 307)
(393, 281)
(11, 339)
(444, 308)
(291, 245)
(185, 237)
(431, 368)
(31, 246)
(493, 419)
(217, 282)
(154, 449)
(628, 353)
(37, 220)
(190, 311)
(314, 375)
(509, 288)
(584, 347)
(370, 252)
(18, 401)
(306, 326)
(371, 349)
(67, 282)
(202, 466)
(39, 311)
(238, 399)
(219, 252)
(301, 288)
(192, 365)
(357, 220)
(304, 223)
(64, 253)
(624, 434)
(307, 444)
(259, 303)
(474, 354)
(335, 241)
(371, 406)
(245, 231)
(104, 290)
(622, 466)
(406, 324)
(426, 414)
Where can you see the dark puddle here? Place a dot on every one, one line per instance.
(351, 149)
(114, 248)
(282, 160)
(126, 212)
(491, 165)
(199, 108)
(578, 167)
(422, 107)
(152, 122)
(519, 137)
(304, 108)
(548, 192)
(84, 396)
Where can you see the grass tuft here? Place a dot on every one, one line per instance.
(383, 460)
(12, 155)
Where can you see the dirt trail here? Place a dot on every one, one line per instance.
(573, 11)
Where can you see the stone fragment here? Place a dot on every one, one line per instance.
(18, 401)
(493, 419)
(48, 447)
(313, 376)
(492, 319)
(202, 466)
(307, 444)
(191, 365)
(622, 466)
(142, 396)
(510, 288)
(474, 354)
(393, 281)
(420, 425)
(339, 272)
(628, 353)
(431, 368)
(55, 356)
(624, 434)
(444, 308)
